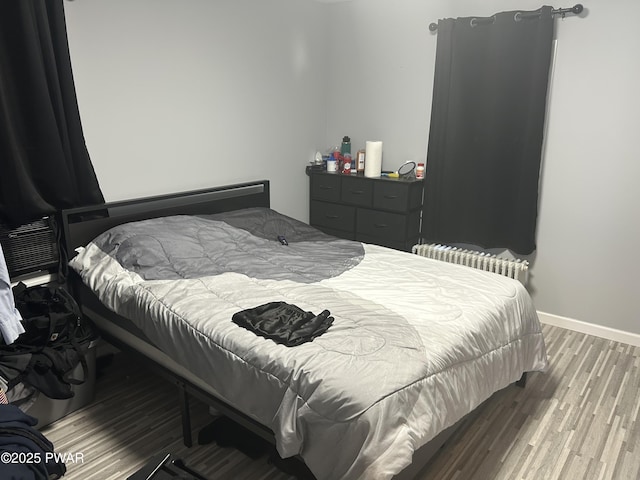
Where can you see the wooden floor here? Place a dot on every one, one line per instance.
(579, 420)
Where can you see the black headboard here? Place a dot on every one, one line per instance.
(81, 225)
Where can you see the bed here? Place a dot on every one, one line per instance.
(413, 344)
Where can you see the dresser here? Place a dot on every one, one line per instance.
(384, 211)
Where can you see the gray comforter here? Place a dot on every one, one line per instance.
(415, 344)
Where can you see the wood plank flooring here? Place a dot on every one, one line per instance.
(578, 420)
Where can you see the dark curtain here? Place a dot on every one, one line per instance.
(485, 139)
(44, 163)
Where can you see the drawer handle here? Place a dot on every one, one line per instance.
(381, 225)
(391, 197)
(332, 217)
(357, 192)
(325, 187)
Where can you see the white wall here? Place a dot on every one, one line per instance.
(177, 95)
(589, 218)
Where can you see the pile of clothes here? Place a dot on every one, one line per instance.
(25, 453)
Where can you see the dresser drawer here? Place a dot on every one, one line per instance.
(392, 196)
(376, 224)
(325, 187)
(332, 216)
(356, 191)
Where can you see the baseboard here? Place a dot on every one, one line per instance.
(590, 329)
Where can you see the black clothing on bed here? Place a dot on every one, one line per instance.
(284, 323)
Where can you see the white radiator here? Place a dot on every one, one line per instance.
(517, 268)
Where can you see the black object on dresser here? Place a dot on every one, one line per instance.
(380, 210)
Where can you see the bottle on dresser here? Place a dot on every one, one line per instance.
(359, 161)
(345, 151)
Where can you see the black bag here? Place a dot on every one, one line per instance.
(50, 314)
(56, 336)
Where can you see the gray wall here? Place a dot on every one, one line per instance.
(589, 218)
(177, 95)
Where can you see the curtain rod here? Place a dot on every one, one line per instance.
(576, 9)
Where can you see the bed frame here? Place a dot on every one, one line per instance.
(81, 225)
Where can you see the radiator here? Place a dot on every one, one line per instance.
(516, 268)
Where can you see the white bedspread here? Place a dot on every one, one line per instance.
(415, 345)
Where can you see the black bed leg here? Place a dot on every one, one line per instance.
(523, 380)
(186, 416)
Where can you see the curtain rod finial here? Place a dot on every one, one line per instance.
(433, 27)
(577, 8)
